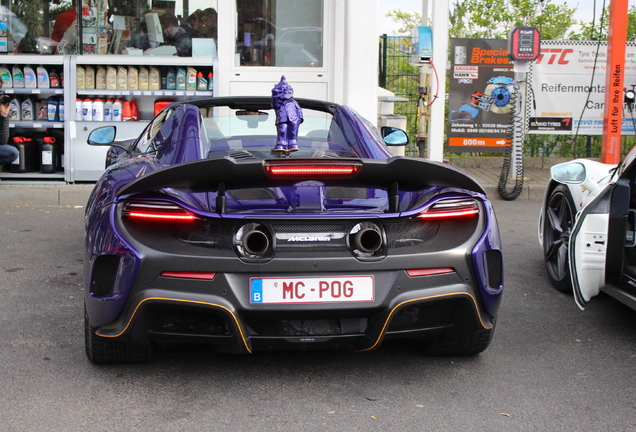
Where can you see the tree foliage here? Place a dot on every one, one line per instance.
(597, 29)
(493, 19)
(406, 20)
(30, 12)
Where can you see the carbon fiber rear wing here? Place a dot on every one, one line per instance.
(398, 173)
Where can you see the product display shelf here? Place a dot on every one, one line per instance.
(37, 127)
(87, 162)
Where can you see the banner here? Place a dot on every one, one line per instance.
(481, 96)
(567, 83)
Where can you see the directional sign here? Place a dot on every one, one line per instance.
(482, 96)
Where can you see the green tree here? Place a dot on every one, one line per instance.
(493, 19)
(405, 19)
(31, 13)
(597, 29)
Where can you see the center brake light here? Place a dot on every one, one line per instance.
(311, 169)
(451, 208)
(157, 211)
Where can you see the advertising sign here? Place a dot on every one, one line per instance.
(481, 97)
(568, 86)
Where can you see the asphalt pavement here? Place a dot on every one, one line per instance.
(550, 367)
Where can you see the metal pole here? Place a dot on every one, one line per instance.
(383, 58)
(613, 112)
(424, 13)
(440, 57)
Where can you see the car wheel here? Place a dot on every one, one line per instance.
(558, 220)
(101, 350)
(446, 345)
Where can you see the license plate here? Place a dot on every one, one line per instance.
(312, 289)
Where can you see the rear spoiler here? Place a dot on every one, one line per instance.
(398, 173)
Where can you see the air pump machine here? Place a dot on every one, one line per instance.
(524, 46)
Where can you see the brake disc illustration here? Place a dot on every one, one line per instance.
(499, 92)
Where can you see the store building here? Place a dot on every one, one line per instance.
(138, 55)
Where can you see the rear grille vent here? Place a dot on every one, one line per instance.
(317, 327)
(494, 264)
(241, 154)
(299, 228)
(407, 234)
(187, 322)
(330, 155)
(436, 314)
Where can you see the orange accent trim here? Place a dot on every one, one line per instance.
(477, 142)
(614, 77)
(388, 318)
(182, 301)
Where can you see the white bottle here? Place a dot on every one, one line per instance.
(108, 110)
(14, 109)
(98, 110)
(27, 109)
(87, 110)
(43, 77)
(117, 110)
(78, 109)
(30, 79)
(60, 109)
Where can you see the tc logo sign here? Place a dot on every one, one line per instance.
(554, 54)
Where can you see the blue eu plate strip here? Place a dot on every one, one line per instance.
(256, 290)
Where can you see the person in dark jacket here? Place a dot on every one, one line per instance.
(8, 153)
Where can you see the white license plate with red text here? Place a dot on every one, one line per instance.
(312, 289)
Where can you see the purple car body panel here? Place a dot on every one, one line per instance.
(179, 172)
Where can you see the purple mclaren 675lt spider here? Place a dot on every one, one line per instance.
(200, 231)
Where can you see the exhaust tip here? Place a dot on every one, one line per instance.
(366, 240)
(254, 241)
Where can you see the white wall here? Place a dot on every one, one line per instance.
(360, 78)
(350, 71)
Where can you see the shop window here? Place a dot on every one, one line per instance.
(176, 27)
(283, 33)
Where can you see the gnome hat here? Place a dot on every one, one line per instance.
(282, 86)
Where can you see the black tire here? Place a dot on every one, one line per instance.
(101, 350)
(471, 344)
(558, 220)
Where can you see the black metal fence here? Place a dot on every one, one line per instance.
(398, 76)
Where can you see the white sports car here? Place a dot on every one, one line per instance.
(586, 229)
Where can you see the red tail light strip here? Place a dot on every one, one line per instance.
(305, 170)
(449, 214)
(428, 272)
(189, 275)
(177, 216)
(157, 211)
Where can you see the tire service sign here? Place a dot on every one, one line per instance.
(481, 97)
(568, 82)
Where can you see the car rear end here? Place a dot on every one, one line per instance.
(272, 260)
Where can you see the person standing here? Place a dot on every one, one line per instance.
(8, 153)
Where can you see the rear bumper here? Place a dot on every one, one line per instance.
(218, 312)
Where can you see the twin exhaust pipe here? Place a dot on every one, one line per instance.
(255, 241)
(367, 240)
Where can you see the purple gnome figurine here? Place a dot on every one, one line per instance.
(289, 116)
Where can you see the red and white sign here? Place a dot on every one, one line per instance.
(471, 72)
(311, 289)
(569, 85)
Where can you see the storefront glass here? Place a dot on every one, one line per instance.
(287, 33)
(178, 27)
